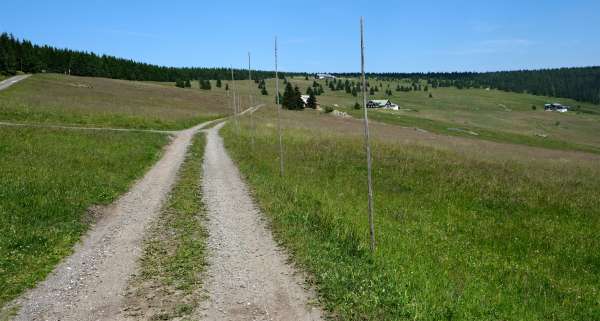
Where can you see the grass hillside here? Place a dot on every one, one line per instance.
(60, 99)
(466, 229)
(490, 114)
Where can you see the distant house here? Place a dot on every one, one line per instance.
(384, 103)
(556, 107)
(325, 76)
(305, 100)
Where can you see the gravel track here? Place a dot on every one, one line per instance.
(247, 277)
(12, 80)
(89, 284)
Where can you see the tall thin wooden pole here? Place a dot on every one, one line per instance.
(234, 101)
(250, 102)
(367, 143)
(278, 113)
(227, 91)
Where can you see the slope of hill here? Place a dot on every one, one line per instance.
(581, 83)
(60, 99)
(475, 113)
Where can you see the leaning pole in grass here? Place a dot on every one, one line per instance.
(250, 102)
(367, 143)
(278, 113)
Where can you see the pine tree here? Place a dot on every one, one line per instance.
(264, 91)
(219, 83)
(226, 86)
(371, 91)
(188, 84)
(288, 100)
(298, 98)
(312, 101)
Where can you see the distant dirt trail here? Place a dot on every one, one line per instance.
(248, 277)
(89, 284)
(9, 124)
(12, 80)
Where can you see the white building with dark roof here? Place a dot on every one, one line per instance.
(382, 103)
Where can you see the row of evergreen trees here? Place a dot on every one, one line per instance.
(581, 83)
(22, 55)
(205, 84)
(183, 83)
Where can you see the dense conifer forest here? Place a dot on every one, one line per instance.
(582, 84)
(22, 55)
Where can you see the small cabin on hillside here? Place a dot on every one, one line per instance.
(556, 107)
(384, 103)
(305, 100)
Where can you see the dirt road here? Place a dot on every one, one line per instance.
(248, 277)
(11, 81)
(89, 284)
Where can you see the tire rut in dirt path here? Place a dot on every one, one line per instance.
(89, 284)
(247, 277)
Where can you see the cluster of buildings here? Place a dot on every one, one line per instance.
(325, 76)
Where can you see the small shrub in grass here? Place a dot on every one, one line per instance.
(533, 107)
(328, 109)
(356, 105)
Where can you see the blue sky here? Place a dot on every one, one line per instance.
(405, 36)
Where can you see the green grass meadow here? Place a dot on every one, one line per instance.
(470, 131)
(50, 177)
(97, 102)
(458, 238)
(494, 115)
